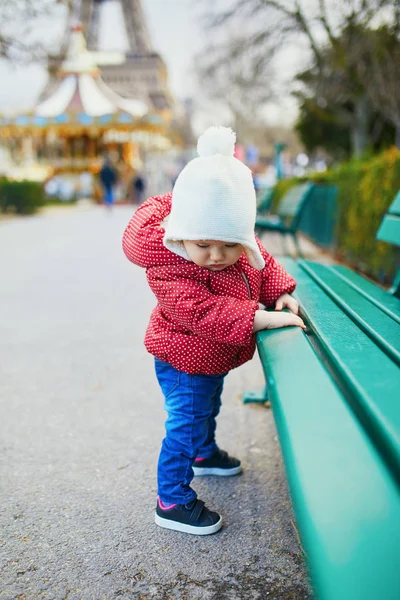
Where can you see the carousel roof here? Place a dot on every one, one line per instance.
(89, 95)
(83, 100)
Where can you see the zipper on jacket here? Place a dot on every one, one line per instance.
(247, 283)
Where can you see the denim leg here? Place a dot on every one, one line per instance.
(189, 402)
(210, 445)
(109, 196)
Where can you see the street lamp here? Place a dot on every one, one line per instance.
(278, 147)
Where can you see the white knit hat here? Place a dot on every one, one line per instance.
(214, 199)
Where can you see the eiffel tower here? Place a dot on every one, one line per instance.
(135, 25)
(140, 73)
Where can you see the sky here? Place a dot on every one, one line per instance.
(175, 32)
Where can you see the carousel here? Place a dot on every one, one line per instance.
(81, 122)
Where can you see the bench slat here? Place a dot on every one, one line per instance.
(394, 208)
(389, 230)
(289, 211)
(374, 322)
(264, 202)
(272, 223)
(328, 456)
(293, 200)
(382, 299)
(370, 376)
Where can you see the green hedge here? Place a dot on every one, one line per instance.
(20, 197)
(366, 190)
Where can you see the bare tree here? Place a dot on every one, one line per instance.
(384, 84)
(268, 25)
(238, 83)
(18, 21)
(357, 84)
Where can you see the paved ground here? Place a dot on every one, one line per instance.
(81, 421)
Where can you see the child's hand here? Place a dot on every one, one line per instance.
(273, 320)
(287, 301)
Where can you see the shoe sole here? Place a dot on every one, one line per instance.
(176, 526)
(200, 471)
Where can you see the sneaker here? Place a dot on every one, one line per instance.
(220, 463)
(194, 518)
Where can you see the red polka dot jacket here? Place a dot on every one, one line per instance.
(203, 322)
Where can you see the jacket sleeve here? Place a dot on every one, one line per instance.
(275, 280)
(142, 241)
(189, 303)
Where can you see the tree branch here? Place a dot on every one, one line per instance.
(324, 21)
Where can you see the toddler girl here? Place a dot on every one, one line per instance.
(208, 272)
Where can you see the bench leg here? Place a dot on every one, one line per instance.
(297, 245)
(395, 289)
(259, 397)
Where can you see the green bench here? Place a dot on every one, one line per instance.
(290, 211)
(307, 207)
(264, 200)
(335, 393)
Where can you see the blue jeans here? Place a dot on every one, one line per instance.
(192, 403)
(109, 196)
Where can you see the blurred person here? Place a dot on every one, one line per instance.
(108, 177)
(208, 272)
(139, 186)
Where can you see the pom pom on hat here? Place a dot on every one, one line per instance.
(217, 140)
(214, 199)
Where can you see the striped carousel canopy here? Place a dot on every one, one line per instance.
(83, 100)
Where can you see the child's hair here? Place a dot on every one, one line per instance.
(214, 198)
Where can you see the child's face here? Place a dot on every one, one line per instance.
(213, 255)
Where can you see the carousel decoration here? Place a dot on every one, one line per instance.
(81, 121)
